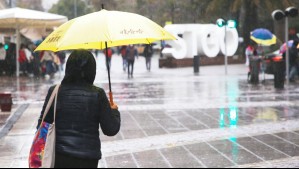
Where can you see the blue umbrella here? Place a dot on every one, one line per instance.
(263, 37)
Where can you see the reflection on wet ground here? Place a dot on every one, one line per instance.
(177, 119)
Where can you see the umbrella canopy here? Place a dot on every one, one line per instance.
(10, 18)
(18, 18)
(103, 29)
(283, 47)
(263, 37)
(115, 28)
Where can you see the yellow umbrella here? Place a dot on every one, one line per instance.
(93, 30)
(104, 29)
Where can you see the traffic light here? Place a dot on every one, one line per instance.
(232, 23)
(221, 22)
(6, 46)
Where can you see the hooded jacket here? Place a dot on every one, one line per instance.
(82, 109)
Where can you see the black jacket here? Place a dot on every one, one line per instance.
(81, 109)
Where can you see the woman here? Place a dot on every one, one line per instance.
(81, 108)
(48, 61)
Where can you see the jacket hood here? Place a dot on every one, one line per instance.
(80, 68)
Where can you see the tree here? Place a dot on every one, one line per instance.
(250, 14)
(108, 4)
(71, 8)
(33, 4)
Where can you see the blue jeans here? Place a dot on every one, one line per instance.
(293, 72)
(50, 67)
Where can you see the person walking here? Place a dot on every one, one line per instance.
(11, 59)
(23, 60)
(148, 53)
(123, 50)
(131, 53)
(248, 54)
(48, 61)
(2, 59)
(82, 109)
(108, 58)
(30, 58)
(293, 60)
(36, 61)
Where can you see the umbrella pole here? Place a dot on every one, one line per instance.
(17, 51)
(108, 67)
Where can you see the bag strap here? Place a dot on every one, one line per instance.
(53, 95)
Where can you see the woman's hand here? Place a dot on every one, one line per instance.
(114, 106)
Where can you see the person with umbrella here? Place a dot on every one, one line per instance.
(81, 109)
(98, 30)
(262, 37)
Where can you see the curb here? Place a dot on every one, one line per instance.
(12, 120)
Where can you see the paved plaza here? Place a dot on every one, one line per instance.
(172, 118)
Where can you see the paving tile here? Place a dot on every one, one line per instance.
(235, 153)
(5, 163)
(12, 145)
(149, 126)
(150, 159)
(279, 144)
(292, 137)
(206, 120)
(123, 161)
(178, 157)
(260, 149)
(129, 128)
(184, 118)
(208, 156)
(169, 124)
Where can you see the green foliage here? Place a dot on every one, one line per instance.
(66, 8)
(249, 14)
(33, 4)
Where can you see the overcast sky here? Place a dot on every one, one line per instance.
(48, 3)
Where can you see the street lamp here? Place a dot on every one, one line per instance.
(279, 15)
(230, 24)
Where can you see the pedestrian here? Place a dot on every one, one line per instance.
(131, 53)
(163, 45)
(82, 109)
(123, 50)
(11, 59)
(36, 61)
(293, 53)
(29, 60)
(148, 53)
(61, 55)
(248, 54)
(23, 60)
(2, 59)
(108, 57)
(48, 63)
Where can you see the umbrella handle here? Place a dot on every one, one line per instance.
(111, 98)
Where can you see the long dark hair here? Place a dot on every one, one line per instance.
(80, 68)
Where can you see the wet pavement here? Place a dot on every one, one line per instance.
(172, 118)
